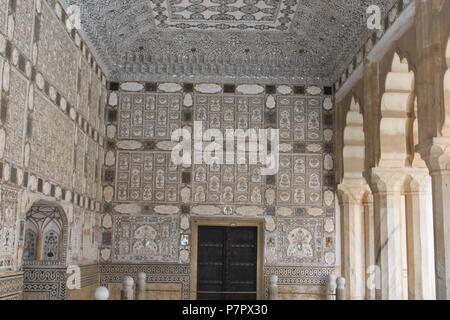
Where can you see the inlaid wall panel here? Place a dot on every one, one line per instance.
(23, 26)
(141, 182)
(48, 149)
(57, 57)
(14, 112)
(51, 151)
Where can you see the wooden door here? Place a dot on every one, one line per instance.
(227, 262)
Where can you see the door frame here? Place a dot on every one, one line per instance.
(228, 222)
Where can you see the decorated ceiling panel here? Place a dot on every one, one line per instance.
(224, 14)
(278, 41)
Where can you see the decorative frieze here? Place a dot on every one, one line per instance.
(11, 286)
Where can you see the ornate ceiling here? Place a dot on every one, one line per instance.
(277, 41)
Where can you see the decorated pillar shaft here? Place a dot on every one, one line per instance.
(388, 236)
(441, 208)
(437, 156)
(353, 240)
(419, 220)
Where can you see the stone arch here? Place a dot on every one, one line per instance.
(354, 144)
(46, 225)
(396, 115)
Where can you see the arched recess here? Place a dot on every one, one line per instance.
(396, 116)
(46, 235)
(402, 189)
(446, 129)
(354, 144)
(352, 193)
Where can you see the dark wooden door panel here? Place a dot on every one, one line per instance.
(227, 263)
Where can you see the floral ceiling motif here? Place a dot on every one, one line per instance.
(224, 14)
(284, 41)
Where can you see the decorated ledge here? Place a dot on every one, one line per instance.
(214, 88)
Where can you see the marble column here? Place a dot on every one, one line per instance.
(353, 241)
(419, 220)
(437, 157)
(386, 189)
(369, 235)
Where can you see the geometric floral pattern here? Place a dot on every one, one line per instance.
(142, 183)
(147, 176)
(11, 287)
(235, 40)
(289, 275)
(300, 241)
(146, 239)
(8, 230)
(149, 117)
(151, 176)
(44, 283)
(41, 113)
(224, 15)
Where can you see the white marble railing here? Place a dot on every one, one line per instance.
(335, 289)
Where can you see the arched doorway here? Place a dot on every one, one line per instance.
(45, 251)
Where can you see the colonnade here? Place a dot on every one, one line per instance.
(393, 151)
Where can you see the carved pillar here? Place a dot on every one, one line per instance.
(386, 185)
(39, 244)
(369, 235)
(353, 244)
(434, 132)
(420, 236)
(438, 160)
